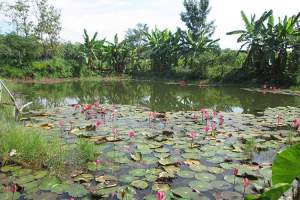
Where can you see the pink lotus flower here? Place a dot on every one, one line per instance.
(206, 115)
(215, 113)
(194, 117)
(206, 129)
(193, 134)
(296, 124)
(160, 195)
(213, 126)
(96, 104)
(87, 107)
(279, 120)
(99, 123)
(114, 131)
(72, 198)
(77, 106)
(14, 188)
(98, 162)
(246, 182)
(221, 120)
(235, 171)
(131, 134)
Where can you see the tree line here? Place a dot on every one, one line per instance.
(269, 53)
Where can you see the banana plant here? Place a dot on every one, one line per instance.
(268, 45)
(162, 49)
(89, 49)
(118, 54)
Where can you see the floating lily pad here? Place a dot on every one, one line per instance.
(186, 174)
(160, 187)
(221, 185)
(137, 172)
(139, 184)
(205, 177)
(185, 192)
(48, 183)
(200, 185)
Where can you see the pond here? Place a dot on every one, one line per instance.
(157, 96)
(183, 153)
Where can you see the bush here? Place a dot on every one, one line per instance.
(53, 68)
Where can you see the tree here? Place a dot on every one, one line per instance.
(20, 17)
(195, 17)
(269, 46)
(48, 26)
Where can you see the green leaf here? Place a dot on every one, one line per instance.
(286, 166)
(273, 193)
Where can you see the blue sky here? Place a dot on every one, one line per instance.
(115, 16)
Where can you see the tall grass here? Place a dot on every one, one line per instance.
(31, 146)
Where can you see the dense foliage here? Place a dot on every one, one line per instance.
(34, 49)
(273, 49)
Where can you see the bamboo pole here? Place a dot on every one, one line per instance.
(18, 110)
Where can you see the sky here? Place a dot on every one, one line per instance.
(108, 17)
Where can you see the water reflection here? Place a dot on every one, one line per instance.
(155, 95)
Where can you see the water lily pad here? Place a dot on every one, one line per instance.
(136, 156)
(137, 172)
(205, 177)
(76, 190)
(221, 185)
(198, 168)
(160, 187)
(127, 178)
(139, 184)
(185, 192)
(231, 195)
(40, 174)
(186, 174)
(10, 196)
(48, 183)
(200, 185)
(84, 178)
(10, 168)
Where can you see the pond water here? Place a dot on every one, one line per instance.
(156, 95)
(162, 155)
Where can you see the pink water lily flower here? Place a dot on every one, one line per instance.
(193, 134)
(206, 129)
(160, 195)
(131, 134)
(213, 126)
(235, 171)
(215, 113)
(296, 124)
(98, 162)
(279, 120)
(221, 120)
(99, 123)
(206, 115)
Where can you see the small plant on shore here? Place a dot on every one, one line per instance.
(249, 147)
(86, 151)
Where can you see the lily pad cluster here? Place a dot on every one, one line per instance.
(142, 152)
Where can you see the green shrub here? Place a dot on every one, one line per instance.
(53, 68)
